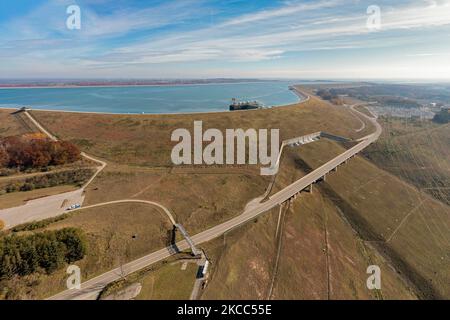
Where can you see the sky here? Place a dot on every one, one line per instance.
(163, 39)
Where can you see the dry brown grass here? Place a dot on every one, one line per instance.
(244, 260)
(323, 258)
(9, 125)
(418, 151)
(168, 283)
(408, 226)
(145, 139)
(197, 200)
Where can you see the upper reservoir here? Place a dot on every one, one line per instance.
(149, 99)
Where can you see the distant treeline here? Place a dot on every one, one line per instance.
(35, 151)
(442, 117)
(47, 251)
(330, 95)
(397, 102)
(433, 93)
(368, 94)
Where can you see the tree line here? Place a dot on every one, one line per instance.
(443, 116)
(45, 251)
(35, 151)
(74, 177)
(330, 95)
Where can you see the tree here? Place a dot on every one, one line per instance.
(36, 151)
(4, 157)
(442, 117)
(49, 250)
(64, 152)
(75, 244)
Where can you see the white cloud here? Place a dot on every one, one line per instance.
(266, 35)
(273, 36)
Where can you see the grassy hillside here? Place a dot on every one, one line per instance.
(418, 151)
(10, 125)
(145, 139)
(409, 227)
(319, 256)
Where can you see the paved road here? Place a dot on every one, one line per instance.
(363, 124)
(91, 288)
(166, 211)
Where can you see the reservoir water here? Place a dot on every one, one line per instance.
(149, 99)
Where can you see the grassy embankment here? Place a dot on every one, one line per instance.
(320, 255)
(138, 147)
(409, 227)
(418, 151)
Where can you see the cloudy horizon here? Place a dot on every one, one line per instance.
(226, 39)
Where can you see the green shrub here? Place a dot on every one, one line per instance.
(27, 187)
(69, 177)
(442, 117)
(30, 226)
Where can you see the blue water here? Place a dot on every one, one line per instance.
(156, 99)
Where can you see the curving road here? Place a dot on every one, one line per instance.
(91, 288)
(51, 206)
(166, 211)
(363, 124)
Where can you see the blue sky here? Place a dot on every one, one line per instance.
(219, 38)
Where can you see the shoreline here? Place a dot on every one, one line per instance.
(301, 97)
(135, 85)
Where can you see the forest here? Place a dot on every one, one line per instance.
(35, 151)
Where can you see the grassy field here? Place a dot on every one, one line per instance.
(417, 151)
(241, 261)
(323, 258)
(409, 227)
(116, 234)
(169, 282)
(9, 124)
(145, 139)
(195, 206)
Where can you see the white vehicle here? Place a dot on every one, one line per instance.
(205, 268)
(74, 206)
